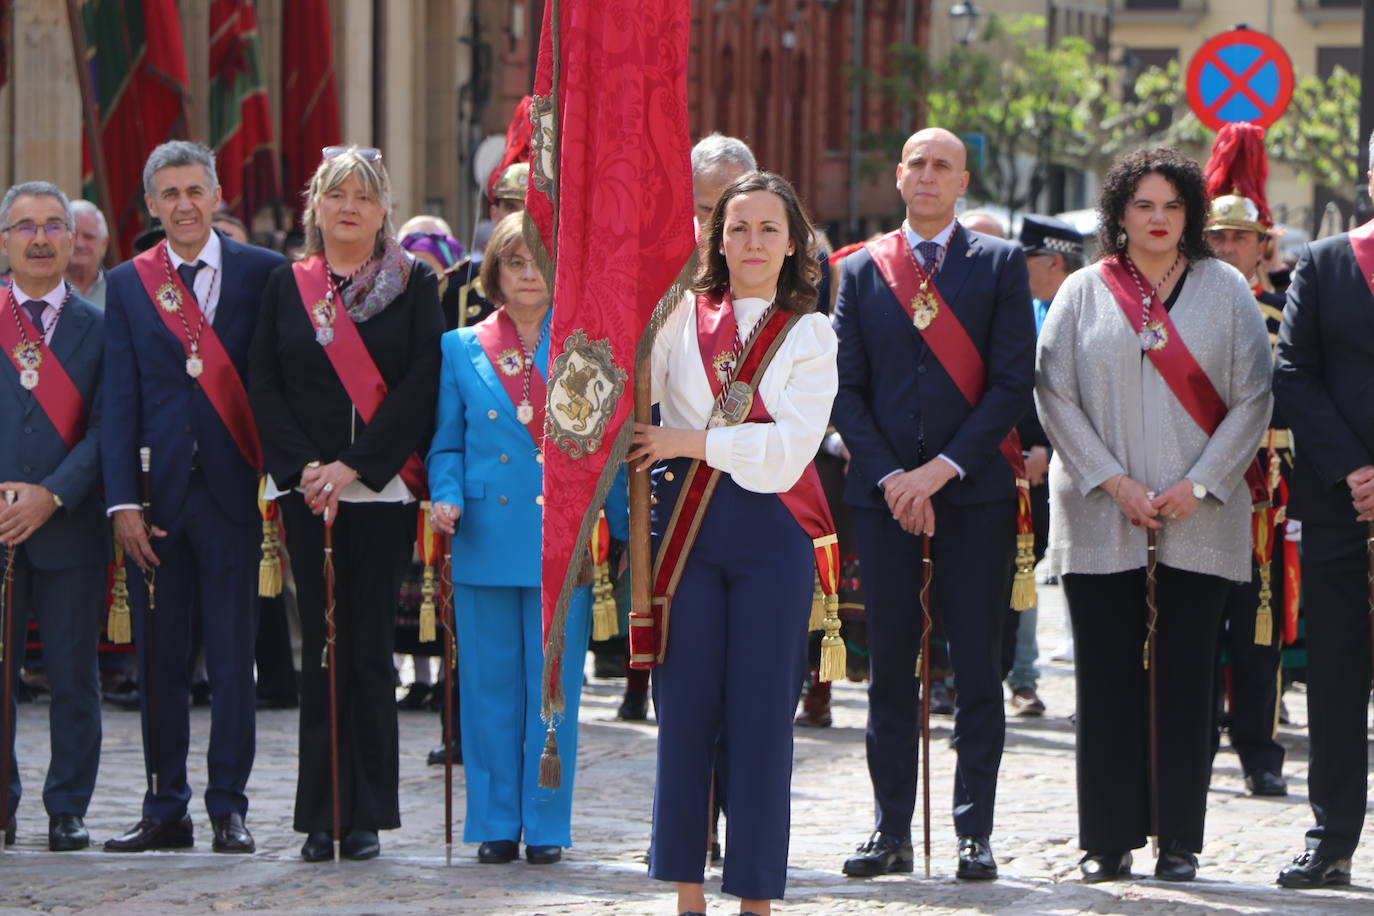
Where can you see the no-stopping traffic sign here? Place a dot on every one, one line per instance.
(1240, 75)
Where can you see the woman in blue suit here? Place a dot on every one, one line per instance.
(486, 480)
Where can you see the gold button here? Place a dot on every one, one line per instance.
(505, 458)
(502, 500)
(539, 457)
(539, 500)
(491, 415)
(668, 476)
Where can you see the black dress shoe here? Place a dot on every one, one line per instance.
(498, 852)
(634, 708)
(1105, 866)
(1312, 869)
(10, 831)
(416, 697)
(436, 756)
(1175, 863)
(231, 835)
(154, 834)
(200, 693)
(67, 832)
(1266, 783)
(543, 855)
(975, 859)
(319, 846)
(881, 855)
(361, 844)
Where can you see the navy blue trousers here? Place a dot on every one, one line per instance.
(735, 660)
(972, 553)
(214, 558)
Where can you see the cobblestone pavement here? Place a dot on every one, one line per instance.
(1249, 838)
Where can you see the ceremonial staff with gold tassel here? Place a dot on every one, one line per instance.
(330, 661)
(923, 662)
(450, 663)
(1151, 664)
(52, 523)
(148, 684)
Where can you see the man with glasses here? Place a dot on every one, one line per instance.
(179, 318)
(53, 344)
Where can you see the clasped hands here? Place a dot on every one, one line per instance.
(33, 505)
(908, 495)
(322, 484)
(1149, 510)
(1361, 483)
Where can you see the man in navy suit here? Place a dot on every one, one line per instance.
(923, 451)
(50, 458)
(174, 384)
(1322, 383)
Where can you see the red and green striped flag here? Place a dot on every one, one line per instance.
(137, 68)
(240, 119)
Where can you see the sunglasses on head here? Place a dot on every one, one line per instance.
(370, 153)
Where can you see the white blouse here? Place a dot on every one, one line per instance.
(798, 388)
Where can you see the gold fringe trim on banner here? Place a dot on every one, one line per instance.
(1023, 584)
(550, 767)
(832, 645)
(428, 628)
(817, 621)
(119, 626)
(269, 568)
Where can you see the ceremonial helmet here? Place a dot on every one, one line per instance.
(513, 182)
(1235, 175)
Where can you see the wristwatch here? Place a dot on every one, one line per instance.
(1199, 491)
(56, 500)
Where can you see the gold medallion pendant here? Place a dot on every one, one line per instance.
(924, 308)
(1154, 336)
(29, 356)
(323, 313)
(168, 297)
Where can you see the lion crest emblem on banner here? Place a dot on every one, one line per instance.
(585, 385)
(542, 160)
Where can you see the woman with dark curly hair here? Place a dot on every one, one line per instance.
(1152, 381)
(744, 375)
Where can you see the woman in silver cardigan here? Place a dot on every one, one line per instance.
(1129, 456)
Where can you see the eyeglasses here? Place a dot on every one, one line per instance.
(516, 264)
(53, 229)
(370, 153)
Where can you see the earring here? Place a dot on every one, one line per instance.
(1121, 239)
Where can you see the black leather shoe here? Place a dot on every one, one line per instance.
(543, 855)
(153, 834)
(436, 756)
(498, 852)
(1105, 866)
(975, 859)
(417, 695)
(318, 846)
(881, 855)
(360, 844)
(10, 832)
(1312, 869)
(634, 708)
(231, 835)
(1175, 864)
(200, 693)
(66, 833)
(1266, 783)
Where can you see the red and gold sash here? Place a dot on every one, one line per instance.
(56, 392)
(347, 353)
(805, 500)
(957, 354)
(1362, 243)
(219, 379)
(501, 343)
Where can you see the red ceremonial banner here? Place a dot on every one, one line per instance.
(611, 196)
(240, 117)
(309, 99)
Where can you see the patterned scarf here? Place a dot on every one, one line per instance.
(367, 295)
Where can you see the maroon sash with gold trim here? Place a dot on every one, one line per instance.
(1176, 364)
(1362, 243)
(56, 392)
(348, 355)
(219, 379)
(501, 343)
(805, 500)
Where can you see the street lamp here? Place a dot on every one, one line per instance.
(965, 16)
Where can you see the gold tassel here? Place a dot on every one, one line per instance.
(428, 629)
(605, 623)
(1264, 617)
(119, 626)
(832, 645)
(550, 767)
(1023, 584)
(269, 568)
(817, 621)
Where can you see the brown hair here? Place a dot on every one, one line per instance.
(508, 234)
(797, 280)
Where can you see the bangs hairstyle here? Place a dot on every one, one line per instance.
(334, 172)
(799, 275)
(1125, 176)
(508, 234)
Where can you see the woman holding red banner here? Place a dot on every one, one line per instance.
(744, 375)
(486, 474)
(344, 372)
(1152, 382)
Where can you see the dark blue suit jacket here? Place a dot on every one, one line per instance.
(32, 451)
(1324, 379)
(894, 392)
(151, 401)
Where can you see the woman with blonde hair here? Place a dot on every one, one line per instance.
(343, 376)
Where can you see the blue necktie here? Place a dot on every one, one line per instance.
(188, 276)
(929, 252)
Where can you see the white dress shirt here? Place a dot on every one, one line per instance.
(53, 301)
(208, 278)
(798, 388)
